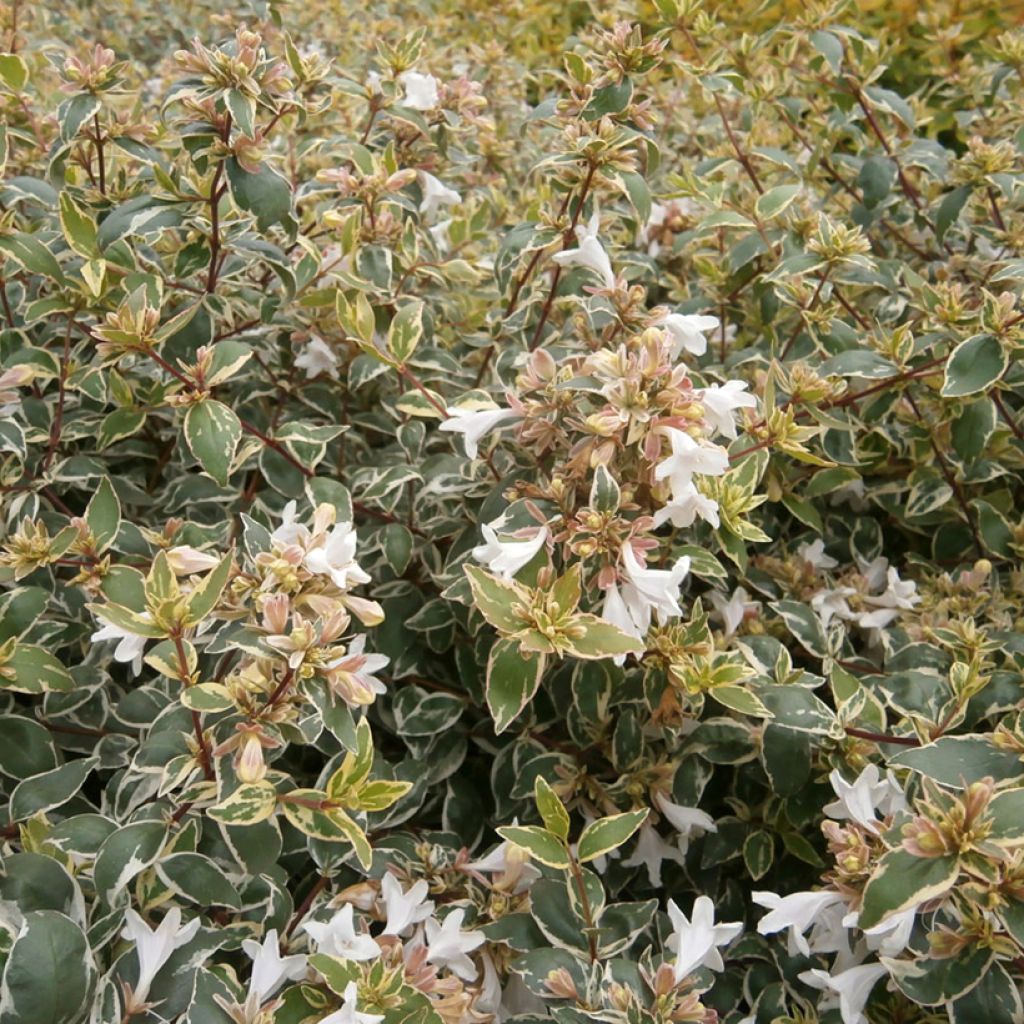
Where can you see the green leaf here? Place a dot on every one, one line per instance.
(405, 331)
(50, 973)
(50, 789)
(973, 428)
(607, 834)
(902, 880)
(13, 71)
(206, 594)
(265, 194)
(803, 624)
(949, 210)
(594, 638)
(776, 200)
(251, 803)
(495, 599)
(75, 112)
(198, 879)
(758, 853)
(994, 1000)
(975, 365)
(30, 669)
(956, 760)
(543, 846)
(512, 679)
(103, 515)
(124, 853)
(1006, 812)
(931, 981)
(876, 178)
(609, 99)
(35, 257)
(552, 810)
(736, 698)
(213, 431)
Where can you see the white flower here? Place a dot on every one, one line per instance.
(687, 821)
(358, 668)
(270, 970)
(852, 494)
(435, 194)
(644, 591)
(853, 986)
(348, 1014)
(696, 942)
(290, 531)
(897, 594)
(650, 851)
(720, 401)
(814, 555)
(439, 233)
(858, 801)
(154, 947)
(404, 909)
(130, 645)
(590, 253)
(733, 610)
(336, 558)
(891, 936)
(317, 357)
(689, 457)
(685, 506)
(506, 557)
(340, 937)
(797, 912)
(511, 861)
(688, 332)
(830, 604)
(448, 944)
(373, 83)
(420, 90)
(474, 423)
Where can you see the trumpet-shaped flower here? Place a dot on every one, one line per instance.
(689, 458)
(130, 646)
(797, 912)
(721, 401)
(448, 945)
(336, 558)
(435, 194)
(814, 555)
(868, 793)
(506, 557)
(733, 610)
(853, 986)
(341, 937)
(270, 970)
(651, 850)
(695, 942)
(317, 357)
(420, 90)
(474, 423)
(684, 508)
(404, 908)
(589, 253)
(154, 946)
(643, 592)
(688, 822)
(688, 332)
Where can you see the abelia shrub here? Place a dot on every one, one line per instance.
(511, 513)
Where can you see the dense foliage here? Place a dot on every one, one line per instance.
(511, 512)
